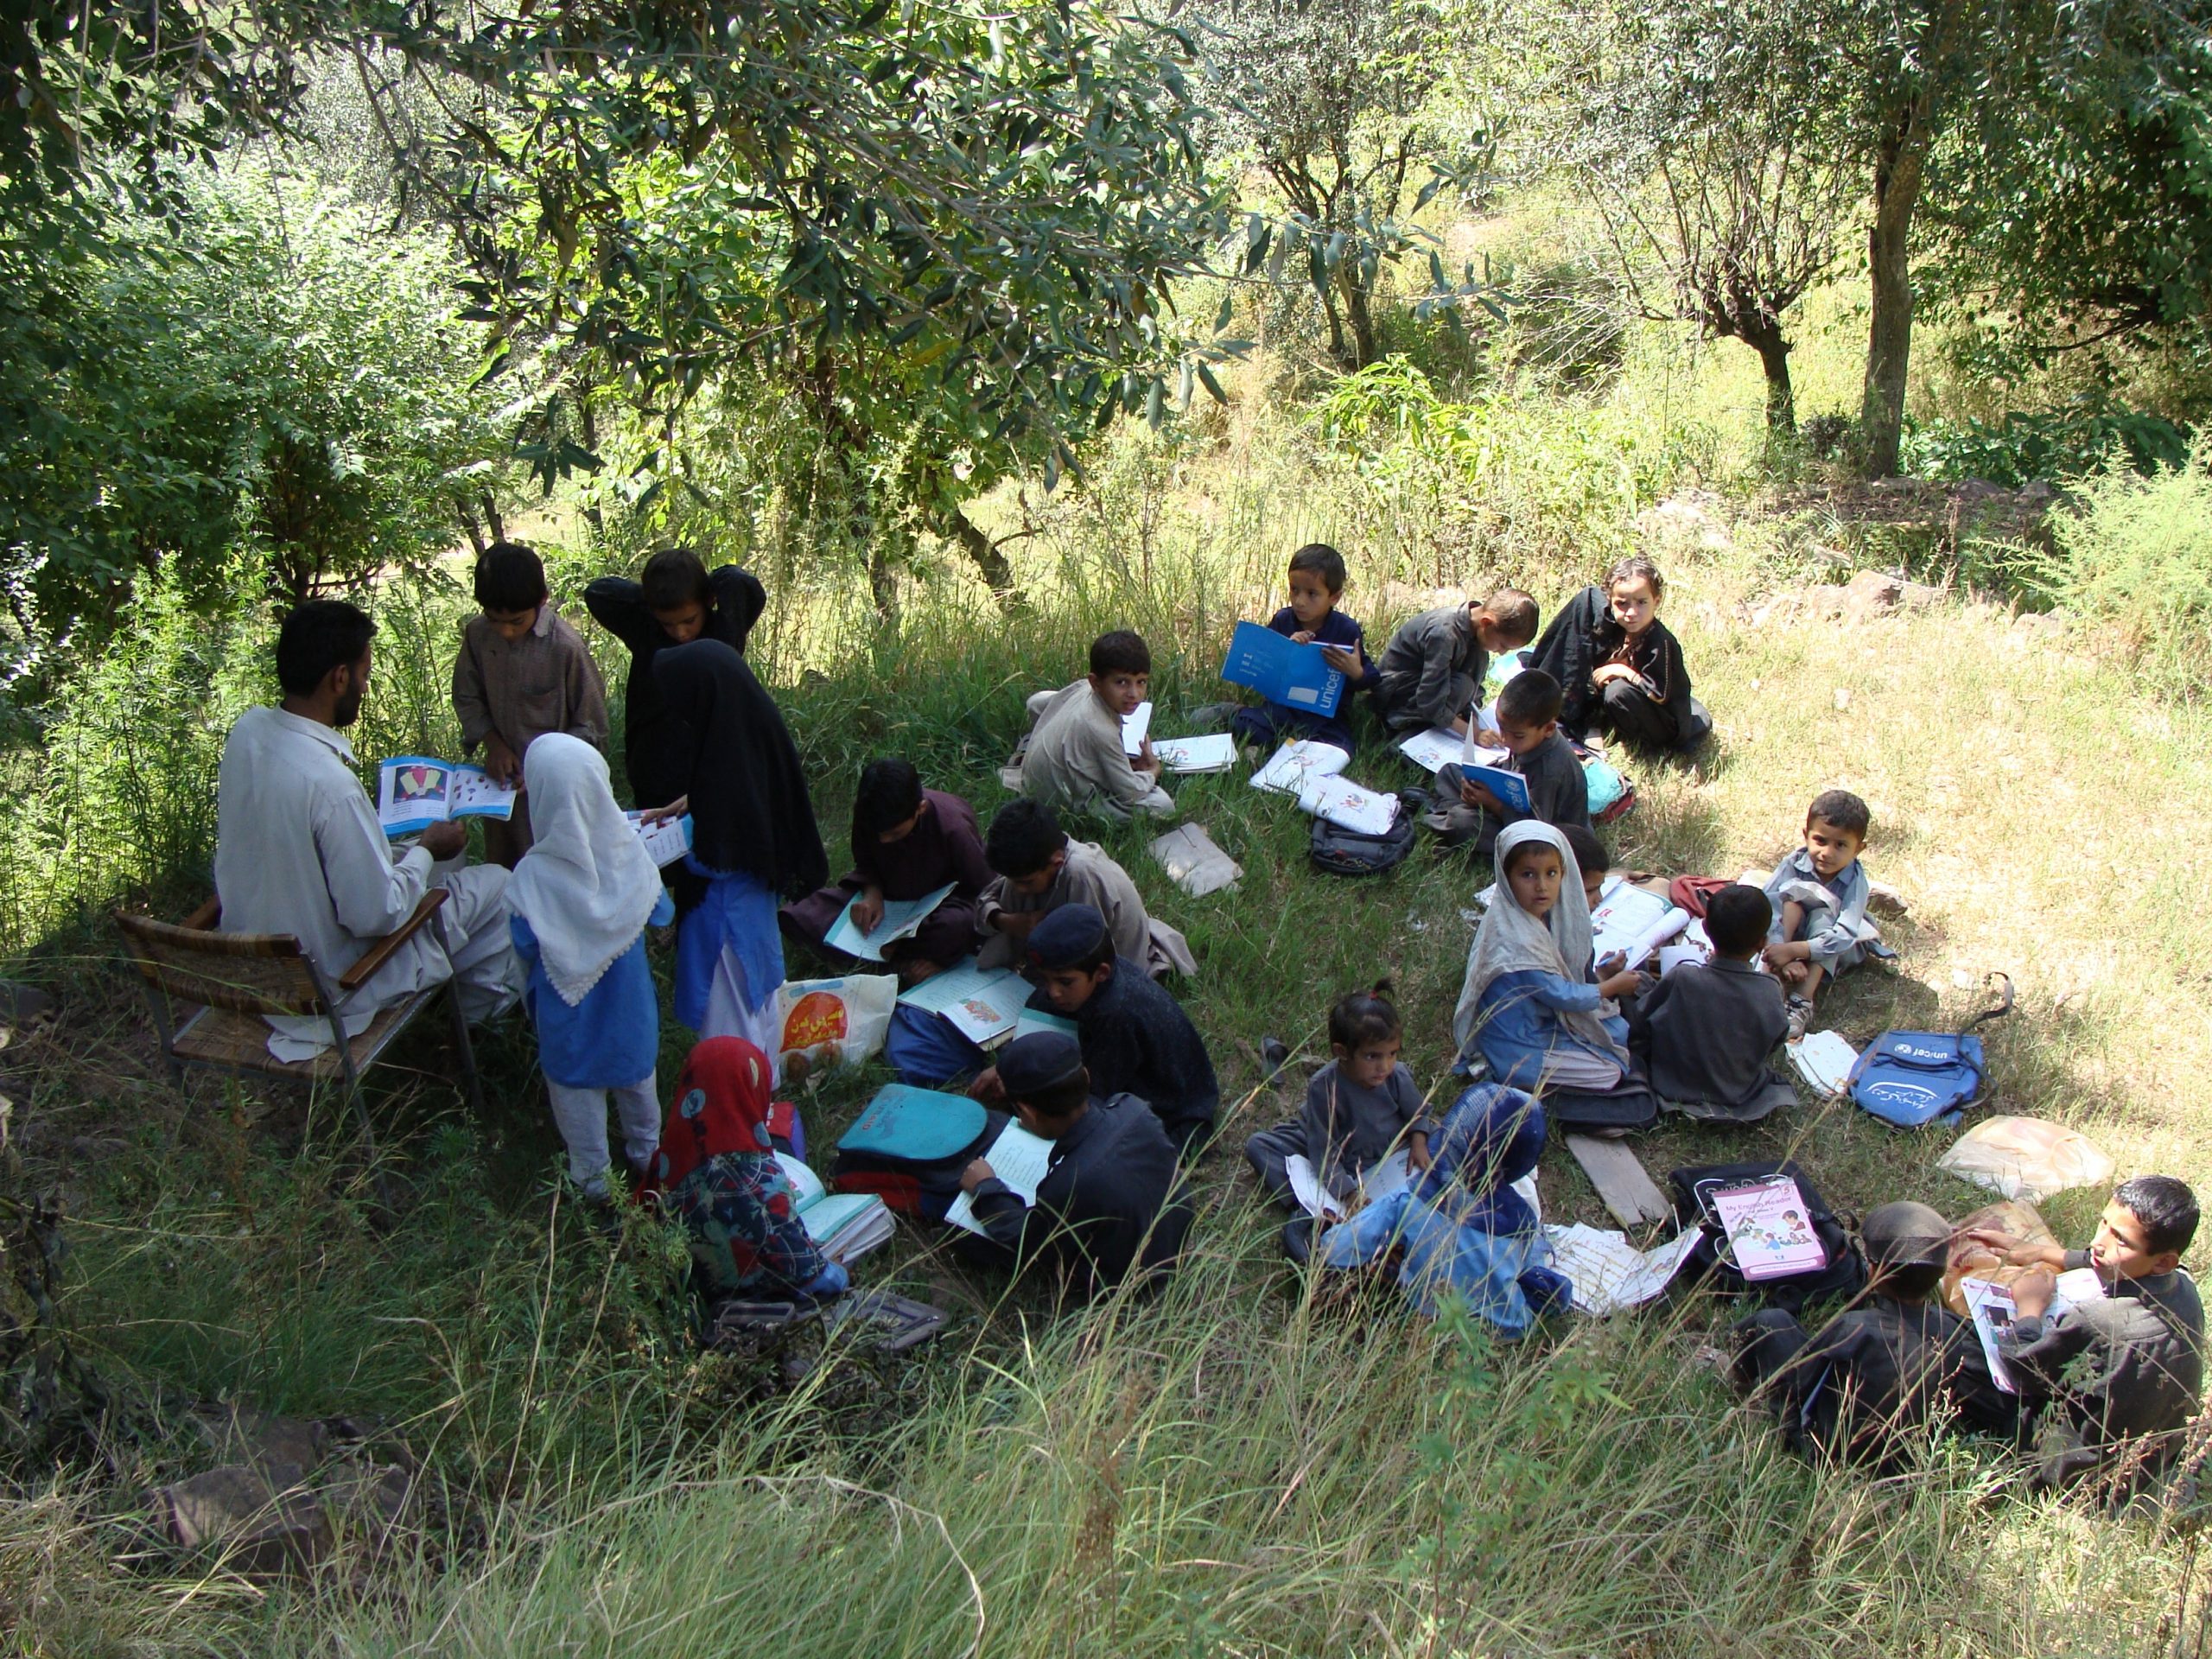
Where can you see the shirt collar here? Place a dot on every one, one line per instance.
(329, 736)
(543, 626)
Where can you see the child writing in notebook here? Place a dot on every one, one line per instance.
(1317, 583)
(1529, 1005)
(1819, 894)
(1705, 1031)
(1360, 1108)
(580, 902)
(1433, 670)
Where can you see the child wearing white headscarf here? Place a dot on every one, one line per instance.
(582, 899)
(1529, 1006)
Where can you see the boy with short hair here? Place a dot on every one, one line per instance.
(1433, 670)
(1884, 1370)
(522, 671)
(1075, 758)
(1703, 1033)
(1136, 1040)
(1040, 869)
(1113, 1201)
(1317, 583)
(675, 601)
(1819, 894)
(2111, 1382)
(1527, 724)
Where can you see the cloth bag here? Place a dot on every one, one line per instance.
(2026, 1158)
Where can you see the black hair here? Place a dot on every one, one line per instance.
(1364, 1017)
(1119, 653)
(1522, 851)
(2166, 1208)
(1909, 1281)
(1514, 614)
(1324, 562)
(675, 577)
(510, 577)
(1590, 854)
(1842, 808)
(1022, 838)
(316, 636)
(1637, 567)
(890, 792)
(1737, 919)
(1062, 1099)
(1531, 698)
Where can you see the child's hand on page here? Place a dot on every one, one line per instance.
(501, 764)
(868, 910)
(675, 809)
(1303, 637)
(1611, 963)
(1475, 794)
(987, 1087)
(445, 841)
(975, 1174)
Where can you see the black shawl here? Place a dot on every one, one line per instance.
(1583, 638)
(750, 810)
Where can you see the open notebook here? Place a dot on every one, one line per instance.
(847, 1225)
(1017, 1158)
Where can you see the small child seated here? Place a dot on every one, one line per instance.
(2109, 1385)
(1590, 859)
(1704, 1032)
(1317, 583)
(1433, 670)
(1619, 666)
(716, 1173)
(1360, 1108)
(907, 842)
(1819, 894)
(1527, 724)
(1136, 1040)
(522, 671)
(1881, 1372)
(1463, 1229)
(1114, 1202)
(1528, 1005)
(580, 902)
(1076, 759)
(1040, 869)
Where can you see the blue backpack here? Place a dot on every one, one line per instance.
(1912, 1078)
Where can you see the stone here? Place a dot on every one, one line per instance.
(2041, 624)
(1871, 592)
(262, 1525)
(1885, 901)
(22, 1004)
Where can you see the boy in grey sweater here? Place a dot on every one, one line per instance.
(1704, 1032)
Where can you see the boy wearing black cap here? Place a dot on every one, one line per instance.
(2113, 1382)
(1136, 1038)
(1112, 1200)
(1876, 1374)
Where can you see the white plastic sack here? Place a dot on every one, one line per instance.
(2026, 1158)
(838, 1021)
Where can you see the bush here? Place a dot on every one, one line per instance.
(2057, 443)
(2137, 557)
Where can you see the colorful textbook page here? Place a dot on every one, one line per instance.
(902, 918)
(1295, 675)
(845, 1226)
(414, 792)
(982, 1003)
(1768, 1229)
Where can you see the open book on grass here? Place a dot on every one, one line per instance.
(847, 1225)
(1295, 765)
(414, 792)
(1322, 1205)
(1216, 753)
(1017, 1158)
(902, 918)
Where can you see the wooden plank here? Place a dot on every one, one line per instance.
(1620, 1181)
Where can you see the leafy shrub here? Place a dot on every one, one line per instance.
(2137, 557)
(2055, 443)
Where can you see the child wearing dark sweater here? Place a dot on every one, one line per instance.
(1704, 1032)
(1360, 1108)
(1317, 583)
(1619, 667)
(1528, 723)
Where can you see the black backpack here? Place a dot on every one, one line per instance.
(1348, 852)
(1843, 1277)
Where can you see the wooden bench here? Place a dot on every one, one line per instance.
(210, 993)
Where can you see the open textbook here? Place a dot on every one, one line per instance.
(1438, 748)
(1823, 1060)
(1609, 1273)
(414, 792)
(902, 918)
(1136, 725)
(1632, 921)
(1994, 1310)
(982, 1004)
(1017, 1158)
(1281, 670)
(1297, 763)
(665, 842)
(1319, 1202)
(1191, 754)
(847, 1225)
(1349, 805)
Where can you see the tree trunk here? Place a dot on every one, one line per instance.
(1361, 316)
(956, 526)
(1774, 358)
(883, 582)
(1897, 172)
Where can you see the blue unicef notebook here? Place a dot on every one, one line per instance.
(1510, 787)
(920, 1125)
(1297, 677)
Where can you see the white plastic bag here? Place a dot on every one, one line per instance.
(827, 1022)
(2026, 1158)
